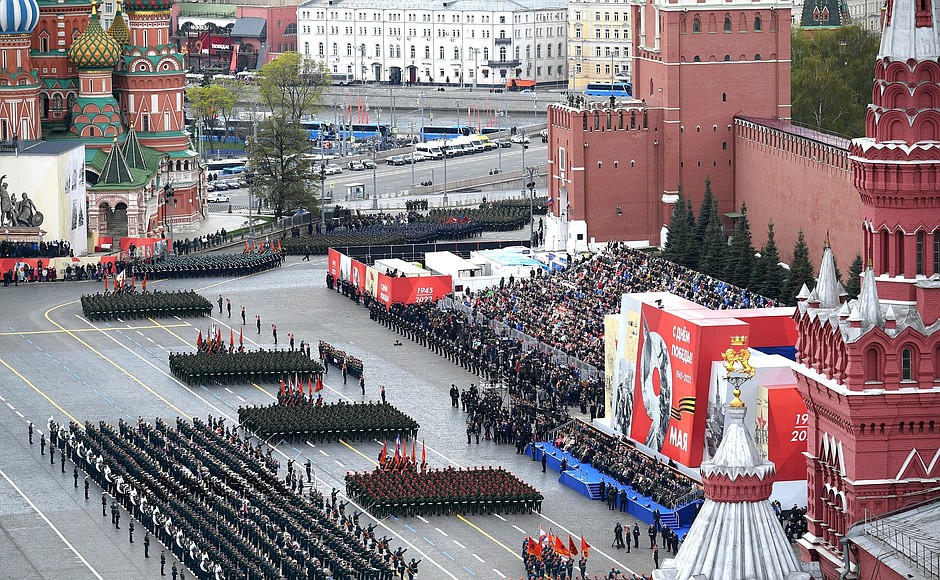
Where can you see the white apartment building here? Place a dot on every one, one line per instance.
(450, 42)
(598, 41)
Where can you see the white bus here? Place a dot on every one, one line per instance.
(431, 150)
(342, 78)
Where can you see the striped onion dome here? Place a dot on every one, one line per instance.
(18, 16)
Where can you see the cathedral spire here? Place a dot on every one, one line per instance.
(827, 285)
(869, 308)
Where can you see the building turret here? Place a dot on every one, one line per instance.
(95, 112)
(19, 82)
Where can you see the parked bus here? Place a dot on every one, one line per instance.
(342, 78)
(216, 165)
(430, 132)
(617, 90)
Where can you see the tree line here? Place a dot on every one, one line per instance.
(702, 244)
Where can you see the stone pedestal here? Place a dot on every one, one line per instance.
(21, 234)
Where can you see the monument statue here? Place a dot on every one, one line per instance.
(6, 204)
(26, 213)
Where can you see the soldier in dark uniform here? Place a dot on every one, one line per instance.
(220, 304)
(30, 432)
(163, 562)
(75, 475)
(104, 506)
(42, 444)
(130, 532)
(86, 487)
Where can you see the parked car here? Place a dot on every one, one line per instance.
(210, 188)
(396, 160)
(220, 186)
(419, 156)
(519, 138)
(368, 163)
(333, 169)
(218, 198)
(504, 143)
(356, 166)
(233, 183)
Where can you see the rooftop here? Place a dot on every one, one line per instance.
(56, 147)
(799, 131)
(907, 542)
(440, 5)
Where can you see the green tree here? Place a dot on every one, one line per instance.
(692, 249)
(768, 277)
(715, 246)
(239, 92)
(209, 102)
(831, 77)
(854, 284)
(801, 271)
(292, 85)
(705, 212)
(282, 172)
(740, 262)
(679, 233)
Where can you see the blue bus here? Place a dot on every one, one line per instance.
(432, 132)
(622, 90)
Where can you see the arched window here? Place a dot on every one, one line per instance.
(907, 364)
(306, 48)
(757, 23)
(290, 29)
(758, 57)
(378, 51)
(872, 368)
(456, 53)
(921, 238)
(696, 58)
(727, 24)
(427, 52)
(549, 51)
(335, 49)
(696, 24)
(440, 53)
(727, 58)
(412, 51)
(321, 49)
(349, 49)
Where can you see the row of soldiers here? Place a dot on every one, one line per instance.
(209, 265)
(180, 483)
(130, 304)
(258, 366)
(442, 491)
(340, 420)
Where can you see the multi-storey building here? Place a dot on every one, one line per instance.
(483, 42)
(598, 42)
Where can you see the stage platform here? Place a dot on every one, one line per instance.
(583, 478)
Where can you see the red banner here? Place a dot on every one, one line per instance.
(333, 263)
(782, 423)
(357, 274)
(672, 381)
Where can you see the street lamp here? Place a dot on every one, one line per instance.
(475, 52)
(169, 201)
(322, 193)
(530, 171)
(375, 192)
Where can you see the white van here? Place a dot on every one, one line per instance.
(430, 150)
(466, 145)
(477, 143)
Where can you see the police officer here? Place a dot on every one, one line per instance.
(42, 444)
(130, 531)
(75, 475)
(173, 572)
(30, 432)
(86, 487)
(146, 544)
(104, 506)
(163, 562)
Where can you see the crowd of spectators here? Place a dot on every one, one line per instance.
(619, 459)
(566, 309)
(53, 249)
(218, 503)
(204, 242)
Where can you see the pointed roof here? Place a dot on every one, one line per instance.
(115, 169)
(903, 39)
(869, 308)
(133, 155)
(118, 29)
(735, 537)
(824, 14)
(827, 285)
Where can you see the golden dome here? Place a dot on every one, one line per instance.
(94, 49)
(118, 29)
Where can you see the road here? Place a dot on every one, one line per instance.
(392, 180)
(53, 362)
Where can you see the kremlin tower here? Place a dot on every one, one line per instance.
(868, 369)
(736, 535)
(19, 81)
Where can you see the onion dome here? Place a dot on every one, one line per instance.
(94, 49)
(148, 5)
(18, 16)
(118, 29)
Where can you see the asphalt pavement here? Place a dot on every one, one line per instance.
(53, 362)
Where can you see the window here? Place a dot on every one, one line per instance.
(441, 53)
(427, 52)
(412, 51)
(378, 51)
(306, 48)
(757, 23)
(696, 25)
(757, 57)
(321, 49)
(727, 58)
(456, 54)
(920, 252)
(907, 360)
(486, 53)
(696, 58)
(291, 29)
(872, 365)
(936, 255)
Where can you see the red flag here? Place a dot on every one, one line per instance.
(413, 460)
(246, 247)
(572, 549)
(241, 337)
(534, 548)
(560, 548)
(404, 453)
(144, 283)
(132, 281)
(383, 455)
(319, 383)
(231, 337)
(310, 385)
(282, 385)
(279, 246)
(105, 282)
(584, 547)
(424, 456)
(199, 339)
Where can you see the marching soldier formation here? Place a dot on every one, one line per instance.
(219, 506)
(330, 355)
(210, 265)
(229, 368)
(310, 421)
(129, 305)
(443, 491)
